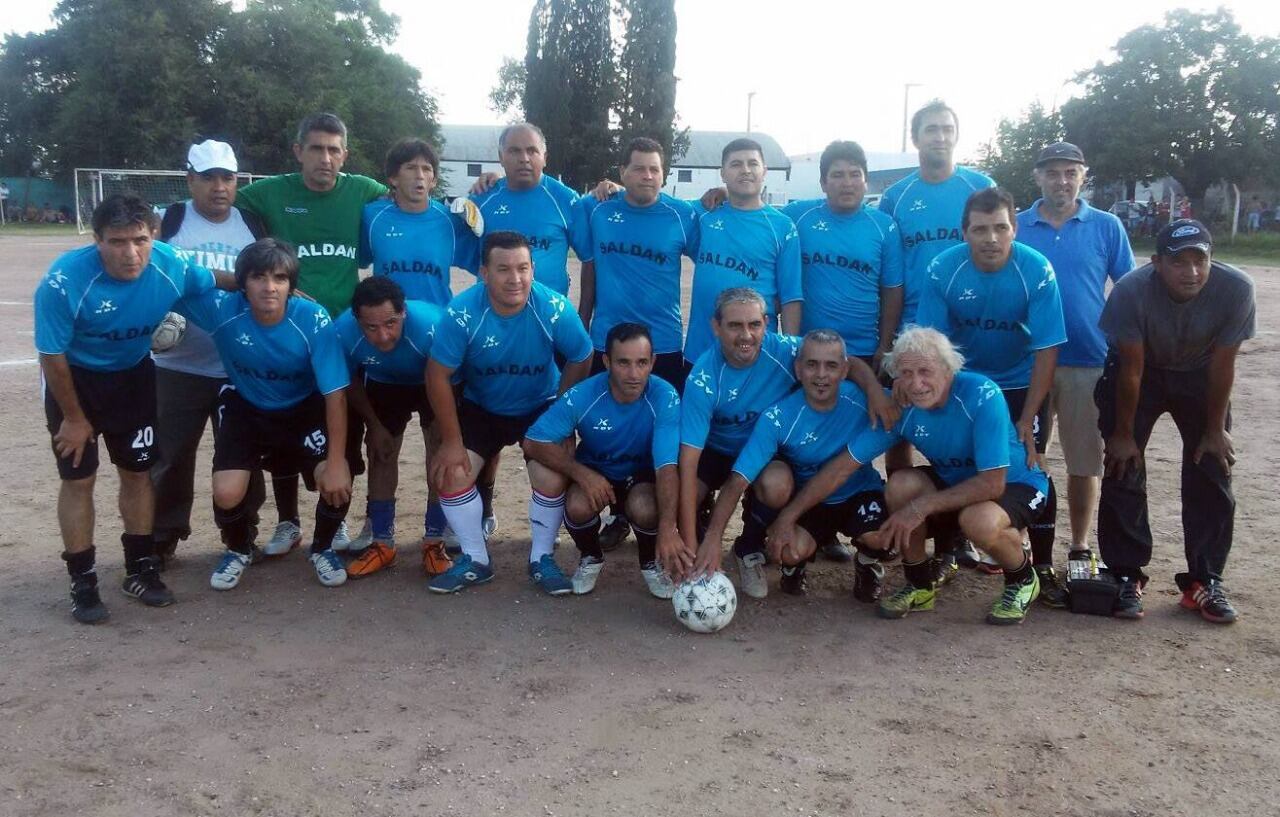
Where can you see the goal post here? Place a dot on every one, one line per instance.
(160, 188)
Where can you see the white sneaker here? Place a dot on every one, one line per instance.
(363, 540)
(341, 539)
(286, 537)
(584, 578)
(659, 583)
(329, 568)
(751, 575)
(228, 572)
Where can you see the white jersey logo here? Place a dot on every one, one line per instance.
(104, 307)
(702, 380)
(57, 279)
(917, 206)
(733, 395)
(773, 414)
(616, 218)
(371, 360)
(921, 432)
(461, 318)
(490, 342)
(809, 437)
(718, 224)
(502, 210)
(392, 232)
(967, 295)
(821, 226)
(244, 339)
(603, 425)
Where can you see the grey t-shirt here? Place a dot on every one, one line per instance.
(1180, 336)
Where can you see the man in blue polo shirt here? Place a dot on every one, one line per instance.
(1086, 247)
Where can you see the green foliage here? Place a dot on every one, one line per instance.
(1010, 158)
(507, 96)
(646, 102)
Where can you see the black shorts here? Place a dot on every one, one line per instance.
(714, 468)
(670, 366)
(289, 441)
(395, 403)
(487, 433)
(121, 406)
(1024, 505)
(622, 487)
(861, 513)
(1017, 398)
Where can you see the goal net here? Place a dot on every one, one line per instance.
(159, 187)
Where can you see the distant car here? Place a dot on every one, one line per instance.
(1130, 213)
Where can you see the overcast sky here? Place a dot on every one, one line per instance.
(819, 70)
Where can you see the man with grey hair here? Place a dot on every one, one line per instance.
(978, 479)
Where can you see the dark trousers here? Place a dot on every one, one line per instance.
(184, 404)
(1208, 506)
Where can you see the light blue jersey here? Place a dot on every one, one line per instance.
(104, 324)
(272, 367)
(928, 215)
(847, 258)
(544, 215)
(416, 250)
(971, 432)
(406, 364)
(619, 440)
(806, 439)
(721, 403)
(507, 364)
(637, 252)
(999, 320)
(741, 248)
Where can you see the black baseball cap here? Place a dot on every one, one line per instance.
(1183, 234)
(1060, 152)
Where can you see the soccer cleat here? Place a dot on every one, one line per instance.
(329, 569)
(464, 573)
(378, 556)
(287, 536)
(1210, 599)
(146, 586)
(945, 568)
(1012, 606)
(584, 578)
(793, 581)
(614, 533)
(86, 604)
(547, 574)
(966, 555)
(341, 539)
(1129, 601)
(751, 575)
(1053, 593)
(228, 572)
(908, 599)
(364, 540)
(836, 551)
(434, 559)
(490, 526)
(868, 582)
(989, 566)
(656, 579)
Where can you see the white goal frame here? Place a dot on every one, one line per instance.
(93, 184)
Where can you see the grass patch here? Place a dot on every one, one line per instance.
(1257, 250)
(38, 229)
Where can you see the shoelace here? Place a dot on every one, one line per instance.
(1009, 598)
(1130, 591)
(1212, 593)
(549, 569)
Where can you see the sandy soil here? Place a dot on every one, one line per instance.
(286, 698)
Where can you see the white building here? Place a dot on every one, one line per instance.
(883, 169)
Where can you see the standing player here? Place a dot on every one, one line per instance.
(627, 425)
(998, 300)
(747, 371)
(744, 243)
(804, 430)
(286, 406)
(500, 337)
(1085, 247)
(94, 313)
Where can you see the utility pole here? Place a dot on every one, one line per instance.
(750, 96)
(906, 95)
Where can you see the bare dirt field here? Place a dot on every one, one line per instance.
(286, 698)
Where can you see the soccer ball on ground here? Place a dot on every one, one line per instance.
(168, 333)
(707, 604)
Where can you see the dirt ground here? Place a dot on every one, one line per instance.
(286, 698)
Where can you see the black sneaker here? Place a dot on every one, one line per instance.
(146, 586)
(965, 554)
(86, 604)
(945, 568)
(837, 551)
(1129, 602)
(614, 533)
(1053, 593)
(793, 581)
(868, 581)
(1210, 599)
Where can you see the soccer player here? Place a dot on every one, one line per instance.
(744, 243)
(318, 211)
(998, 300)
(979, 478)
(94, 313)
(627, 425)
(1174, 329)
(803, 431)
(286, 404)
(732, 383)
(387, 338)
(1086, 247)
(207, 230)
(635, 240)
(500, 337)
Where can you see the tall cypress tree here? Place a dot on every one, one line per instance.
(646, 101)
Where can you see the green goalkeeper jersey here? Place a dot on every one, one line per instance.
(324, 227)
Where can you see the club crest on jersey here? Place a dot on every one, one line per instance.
(244, 339)
(490, 342)
(104, 307)
(603, 425)
(616, 218)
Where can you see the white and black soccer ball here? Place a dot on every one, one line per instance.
(706, 604)
(168, 333)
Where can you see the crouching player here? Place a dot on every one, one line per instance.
(628, 426)
(389, 339)
(977, 479)
(286, 404)
(804, 430)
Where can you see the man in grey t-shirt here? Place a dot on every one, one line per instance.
(1173, 331)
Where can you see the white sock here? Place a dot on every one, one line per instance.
(546, 513)
(465, 513)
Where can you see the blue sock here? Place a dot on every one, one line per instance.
(434, 519)
(382, 518)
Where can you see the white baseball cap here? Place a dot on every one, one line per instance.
(211, 155)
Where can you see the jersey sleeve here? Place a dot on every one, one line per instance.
(202, 309)
(450, 344)
(932, 310)
(891, 258)
(580, 227)
(327, 360)
(867, 443)
(790, 267)
(55, 321)
(558, 422)
(992, 430)
(196, 280)
(466, 245)
(1242, 324)
(364, 250)
(760, 447)
(692, 232)
(695, 410)
(1120, 258)
(568, 334)
(1044, 313)
(252, 198)
(372, 188)
(666, 430)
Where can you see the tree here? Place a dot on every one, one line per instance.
(507, 96)
(1010, 158)
(646, 101)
